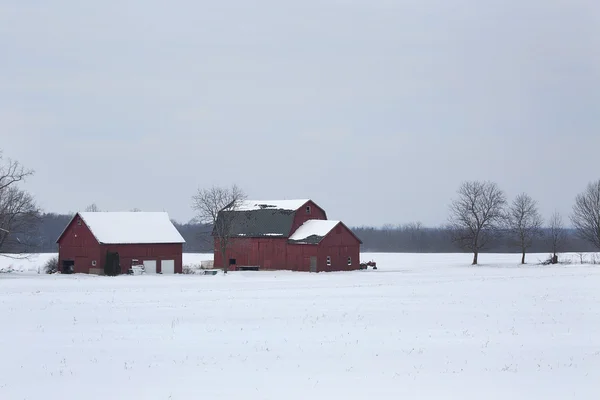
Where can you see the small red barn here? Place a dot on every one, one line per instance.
(288, 235)
(147, 238)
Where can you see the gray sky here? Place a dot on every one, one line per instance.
(375, 109)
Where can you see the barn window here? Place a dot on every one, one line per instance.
(232, 261)
(328, 260)
(308, 209)
(93, 263)
(79, 221)
(349, 260)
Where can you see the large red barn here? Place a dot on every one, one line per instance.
(289, 235)
(139, 238)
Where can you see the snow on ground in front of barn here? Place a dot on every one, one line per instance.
(421, 326)
(24, 263)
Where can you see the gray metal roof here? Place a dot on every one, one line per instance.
(260, 223)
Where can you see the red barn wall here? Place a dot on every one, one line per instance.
(339, 244)
(266, 253)
(302, 216)
(78, 244)
(298, 258)
(145, 252)
(277, 253)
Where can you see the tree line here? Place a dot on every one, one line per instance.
(404, 238)
(480, 219)
(480, 216)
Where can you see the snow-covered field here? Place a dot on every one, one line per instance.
(421, 326)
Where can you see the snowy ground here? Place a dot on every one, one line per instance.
(421, 326)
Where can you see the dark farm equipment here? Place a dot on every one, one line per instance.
(366, 265)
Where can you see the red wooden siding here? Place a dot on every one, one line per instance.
(339, 244)
(79, 245)
(267, 253)
(277, 253)
(302, 216)
(145, 252)
(299, 255)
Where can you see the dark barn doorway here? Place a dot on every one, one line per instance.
(68, 267)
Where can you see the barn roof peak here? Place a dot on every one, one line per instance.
(253, 205)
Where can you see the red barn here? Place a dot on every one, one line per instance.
(147, 238)
(287, 234)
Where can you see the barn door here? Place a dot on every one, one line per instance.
(167, 267)
(150, 266)
(313, 264)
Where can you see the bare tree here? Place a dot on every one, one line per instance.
(586, 214)
(525, 223)
(12, 172)
(476, 216)
(216, 206)
(557, 235)
(92, 208)
(19, 215)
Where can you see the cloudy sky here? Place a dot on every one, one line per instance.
(375, 109)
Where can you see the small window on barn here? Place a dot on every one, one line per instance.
(328, 260)
(93, 263)
(79, 221)
(308, 209)
(349, 260)
(232, 261)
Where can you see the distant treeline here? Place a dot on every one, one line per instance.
(412, 238)
(409, 238)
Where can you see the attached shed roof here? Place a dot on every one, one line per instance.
(313, 231)
(131, 227)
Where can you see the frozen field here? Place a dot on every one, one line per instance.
(421, 326)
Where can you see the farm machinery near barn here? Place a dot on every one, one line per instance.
(366, 265)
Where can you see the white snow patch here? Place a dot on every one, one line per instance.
(252, 205)
(424, 326)
(314, 227)
(132, 227)
(24, 263)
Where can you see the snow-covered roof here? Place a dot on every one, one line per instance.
(131, 227)
(252, 205)
(314, 227)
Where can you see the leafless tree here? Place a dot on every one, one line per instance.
(12, 172)
(476, 215)
(92, 208)
(586, 214)
(19, 214)
(557, 235)
(525, 223)
(214, 206)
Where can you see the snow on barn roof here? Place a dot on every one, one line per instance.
(314, 228)
(131, 227)
(252, 205)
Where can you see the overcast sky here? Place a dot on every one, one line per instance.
(375, 109)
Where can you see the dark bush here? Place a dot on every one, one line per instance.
(51, 266)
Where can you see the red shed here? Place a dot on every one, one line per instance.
(289, 235)
(147, 238)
